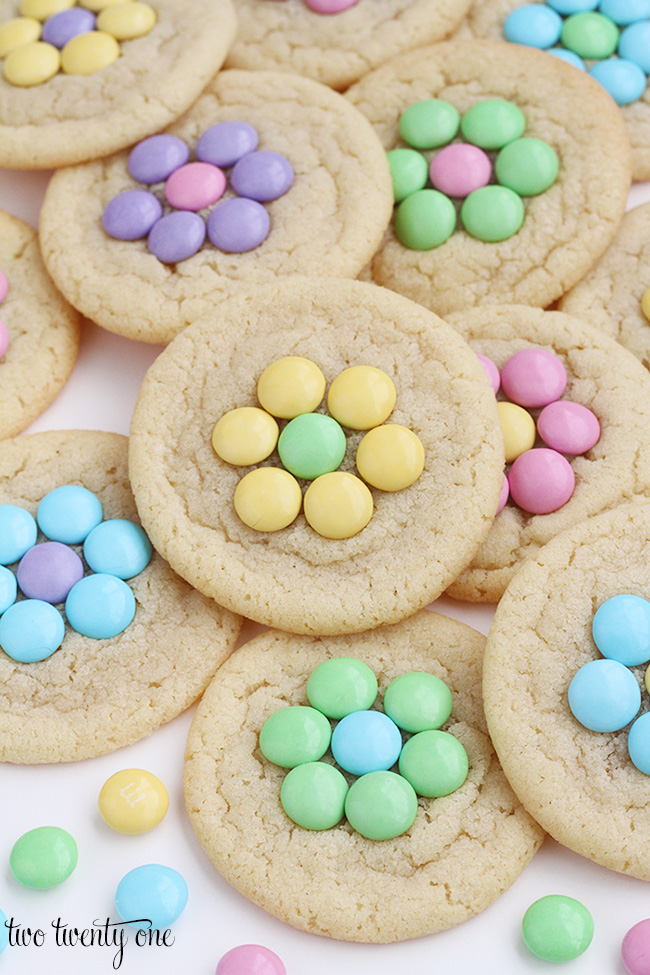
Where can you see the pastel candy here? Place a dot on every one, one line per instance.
(568, 427)
(541, 481)
(533, 377)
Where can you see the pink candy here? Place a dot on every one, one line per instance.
(4, 339)
(459, 169)
(492, 371)
(533, 377)
(541, 481)
(568, 427)
(195, 186)
(635, 951)
(3, 286)
(250, 960)
(505, 494)
(329, 6)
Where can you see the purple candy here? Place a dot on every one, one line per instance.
(131, 214)
(226, 142)
(177, 236)
(156, 158)
(62, 27)
(49, 571)
(238, 225)
(262, 175)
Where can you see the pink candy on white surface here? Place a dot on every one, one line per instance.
(492, 371)
(329, 6)
(541, 481)
(4, 339)
(568, 427)
(4, 285)
(459, 169)
(635, 951)
(505, 494)
(533, 377)
(250, 960)
(195, 186)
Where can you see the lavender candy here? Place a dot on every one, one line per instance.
(238, 225)
(262, 175)
(63, 26)
(177, 236)
(49, 571)
(156, 158)
(131, 215)
(226, 142)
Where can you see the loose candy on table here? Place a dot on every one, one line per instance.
(268, 499)
(635, 950)
(604, 695)
(100, 606)
(381, 805)
(295, 735)
(621, 629)
(291, 386)
(313, 795)
(250, 960)
(339, 686)
(366, 741)
(338, 505)
(69, 513)
(49, 571)
(118, 547)
(152, 891)
(557, 928)
(31, 630)
(18, 532)
(541, 481)
(390, 457)
(244, 436)
(43, 857)
(133, 801)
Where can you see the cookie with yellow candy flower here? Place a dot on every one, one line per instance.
(81, 79)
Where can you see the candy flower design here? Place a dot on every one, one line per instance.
(4, 334)
(612, 35)
(98, 602)
(540, 479)
(167, 214)
(62, 35)
(312, 446)
(365, 743)
(604, 694)
(490, 171)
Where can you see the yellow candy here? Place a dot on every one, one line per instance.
(268, 499)
(42, 9)
(133, 801)
(338, 505)
(361, 397)
(15, 33)
(245, 436)
(518, 429)
(87, 53)
(31, 64)
(390, 457)
(126, 21)
(291, 386)
(97, 5)
(645, 304)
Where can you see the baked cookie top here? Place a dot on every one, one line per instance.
(580, 785)
(338, 47)
(41, 331)
(92, 696)
(610, 295)
(74, 117)
(601, 376)
(565, 228)
(417, 540)
(328, 223)
(460, 853)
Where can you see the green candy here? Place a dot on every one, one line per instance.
(527, 166)
(557, 928)
(409, 171)
(434, 762)
(418, 702)
(311, 444)
(429, 124)
(295, 735)
(381, 805)
(425, 220)
(492, 124)
(43, 857)
(340, 686)
(492, 213)
(313, 795)
(590, 35)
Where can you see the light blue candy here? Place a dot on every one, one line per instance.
(8, 589)
(569, 56)
(99, 606)
(624, 80)
(118, 547)
(625, 11)
(604, 695)
(31, 630)
(4, 932)
(18, 533)
(638, 743)
(534, 25)
(366, 741)
(621, 629)
(634, 45)
(572, 6)
(69, 513)
(153, 891)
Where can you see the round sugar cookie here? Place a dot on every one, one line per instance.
(337, 48)
(93, 696)
(610, 295)
(601, 376)
(328, 224)
(74, 117)
(580, 785)
(462, 850)
(41, 328)
(417, 540)
(486, 20)
(565, 229)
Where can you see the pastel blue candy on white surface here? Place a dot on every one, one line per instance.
(18, 533)
(621, 629)
(366, 741)
(118, 547)
(31, 630)
(572, 6)
(69, 513)
(8, 588)
(4, 932)
(634, 45)
(534, 25)
(604, 695)
(625, 11)
(153, 891)
(569, 56)
(638, 743)
(99, 606)
(624, 80)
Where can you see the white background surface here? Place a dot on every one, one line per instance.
(100, 395)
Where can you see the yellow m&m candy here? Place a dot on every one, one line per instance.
(126, 21)
(15, 33)
(268, 499)
(338, 505)
(31, 64)
(645, 304)
(87, 53)
(133, 801)
(42, 9)
(361, 397)
(97, 5)
(390, 457)
(291, 386)
(518, 429)
(245, 436)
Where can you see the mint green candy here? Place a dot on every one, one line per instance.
(381, 805)
(492, 213)
(492, 124)
(43, 857)
(311, 444)
(527, 166)
(429, 124)
(409, 171)
(313, 795)
(434, 762)
(590, 35)
(295, 735)
(418, 702)
(425, 220)
(340, 686)
(557, 928)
